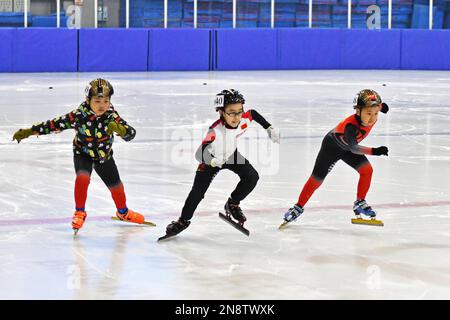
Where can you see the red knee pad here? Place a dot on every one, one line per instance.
(366, 169)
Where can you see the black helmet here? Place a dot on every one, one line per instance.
(99, 88)
(369, 98)
(227, 97)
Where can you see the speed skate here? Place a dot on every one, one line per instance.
(235, 224)
(147, 223)
(367, 222)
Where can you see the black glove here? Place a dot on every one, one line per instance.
(380, 151)
(384, 108)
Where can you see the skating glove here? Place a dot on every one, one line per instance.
(216, 163)
(274, 134)
(384, 108)
(380, 151)
(22, 134)
(117, 128)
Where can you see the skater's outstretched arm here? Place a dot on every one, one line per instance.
(274, 134)
(121, 127)
(21, 134)
(257, 117)
(350, 134)
(54, 125)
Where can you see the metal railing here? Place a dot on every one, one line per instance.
(234, 18)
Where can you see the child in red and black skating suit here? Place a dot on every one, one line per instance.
(342, 143)
(219, 151)
(94, 122)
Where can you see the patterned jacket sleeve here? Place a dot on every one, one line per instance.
(57, 124)
(131, 132)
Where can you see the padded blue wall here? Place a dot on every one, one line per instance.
(425, 50)
(376, 49)
(246, 49)
(338, 49)
(65, 50)
(45, 50)
(113, 49)
(309, 49)
(6, 49)
(179, 49)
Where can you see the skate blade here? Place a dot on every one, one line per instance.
(367, 222)
(166, 237)
(283, 225)
(234, 224)
(147, 223)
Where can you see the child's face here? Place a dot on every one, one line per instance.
(232, 114)
(369, 115)
(99, 105)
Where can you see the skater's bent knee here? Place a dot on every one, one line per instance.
(256, 176)
(83, 177)
(252, 177)
(366, 169)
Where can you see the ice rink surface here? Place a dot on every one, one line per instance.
(321, 256)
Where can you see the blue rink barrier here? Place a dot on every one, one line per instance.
(92, 50)
(179, 50)
(38, 50)
(309, 48)
(6, 49)
(376, 49)
(246, 49)
(425, 50)
(113, 49)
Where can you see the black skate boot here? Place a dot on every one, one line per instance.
(235, 211)
(175, 228)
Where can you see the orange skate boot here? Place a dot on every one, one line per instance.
(131, 216)
(78, 219)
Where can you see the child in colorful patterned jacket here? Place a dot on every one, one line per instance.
(94, 121)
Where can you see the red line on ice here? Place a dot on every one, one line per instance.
(42, 221)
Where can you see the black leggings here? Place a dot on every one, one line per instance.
(330, 153)
(107, 171)
(205, 174)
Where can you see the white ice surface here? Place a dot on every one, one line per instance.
(322, 256)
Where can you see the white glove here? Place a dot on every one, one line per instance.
(274, 134)
(216, 163)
